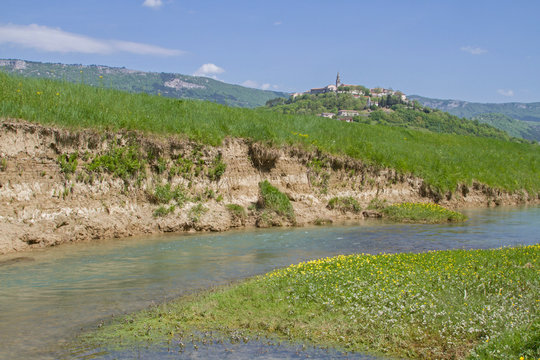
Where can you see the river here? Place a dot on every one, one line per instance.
(47, 296)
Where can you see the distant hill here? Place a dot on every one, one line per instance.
(525, 129)
(166, 84)
(518, 119)
(392, 110)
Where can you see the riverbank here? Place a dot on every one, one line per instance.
(480, 304)
(64, 185)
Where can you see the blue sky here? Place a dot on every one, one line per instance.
(485, 51)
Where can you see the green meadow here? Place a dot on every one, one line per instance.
(456, 304)
(443, 160)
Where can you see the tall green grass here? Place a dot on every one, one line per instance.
(443, 160)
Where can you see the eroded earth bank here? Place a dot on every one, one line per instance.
(59, 185)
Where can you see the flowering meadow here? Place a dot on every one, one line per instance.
(478, 304)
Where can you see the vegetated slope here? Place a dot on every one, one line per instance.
(166, 84)
(526, 116)
(443, 160)
(521, 111)
(528, 130)
(391, 111)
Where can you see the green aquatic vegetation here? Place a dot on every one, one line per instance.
(344, 204)
(421, 212)
(444, 161)
(271, 199)
(438, 304)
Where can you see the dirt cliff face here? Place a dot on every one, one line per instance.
(59, 185)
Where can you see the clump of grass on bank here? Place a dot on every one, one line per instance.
(164, 211)
(421, 212)
(3, 164)
(164, 194)
(68, 163)
(122, 162)
(443, 160)
(196, 212)
(271, 199)
(237, 211)
(344, 204)
(444, 305)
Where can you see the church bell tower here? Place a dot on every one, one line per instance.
(338, 80)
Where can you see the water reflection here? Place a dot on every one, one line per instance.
(250, 350)
(43, 301)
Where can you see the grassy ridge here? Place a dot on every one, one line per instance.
(443, 160)
(434, 305)
(194, 87)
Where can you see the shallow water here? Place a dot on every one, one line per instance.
(50, 295)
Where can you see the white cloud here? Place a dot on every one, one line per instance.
(256, 85)
(209, 70)
(56, 40)
(250, 83)
(154, 4)
(277, 23)
(508, 93)
(473, 50)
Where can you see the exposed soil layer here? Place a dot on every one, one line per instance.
(45, 202)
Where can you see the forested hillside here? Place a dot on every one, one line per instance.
(518, 119)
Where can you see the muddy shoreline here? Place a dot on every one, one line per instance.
(45, 202)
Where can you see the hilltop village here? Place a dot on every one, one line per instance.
(373, 99)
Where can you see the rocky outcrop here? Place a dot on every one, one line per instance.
(59, 185)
